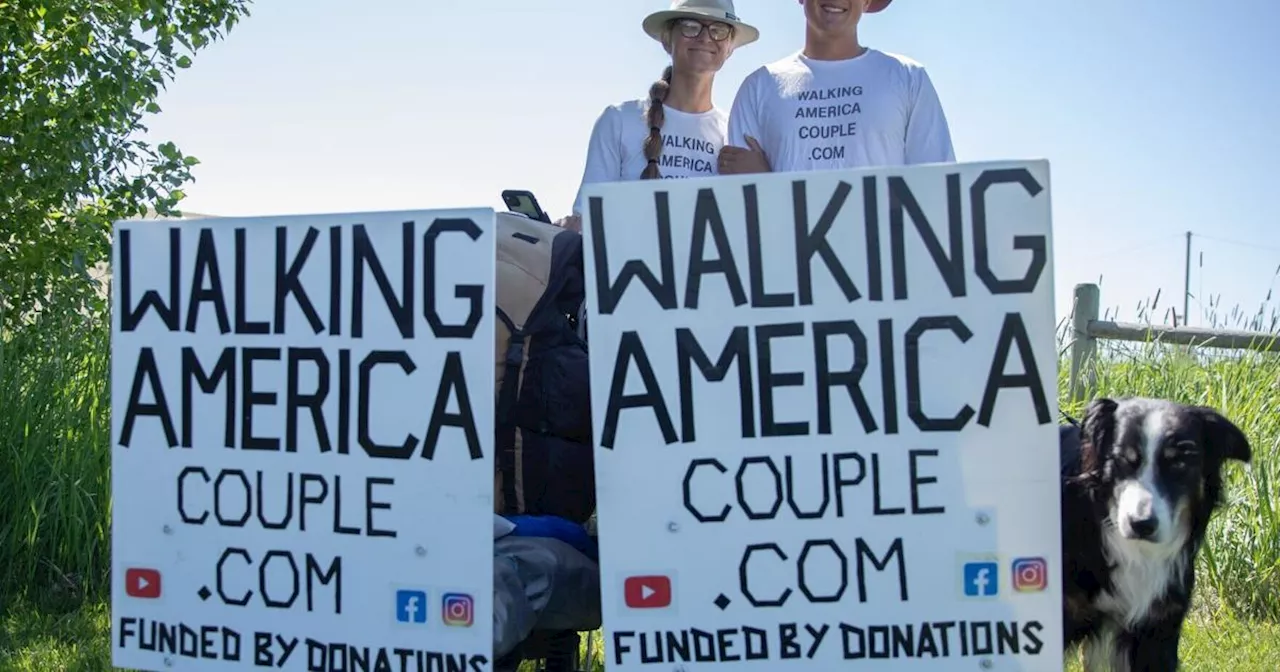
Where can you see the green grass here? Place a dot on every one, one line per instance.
(55, 494)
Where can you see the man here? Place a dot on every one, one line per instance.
(836, 103)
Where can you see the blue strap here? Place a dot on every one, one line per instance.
(556, 527)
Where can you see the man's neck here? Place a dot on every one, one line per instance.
(829, 48)
(690, 92)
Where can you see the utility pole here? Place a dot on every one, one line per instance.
(1186, 286)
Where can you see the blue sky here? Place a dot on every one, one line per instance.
(1156, 117)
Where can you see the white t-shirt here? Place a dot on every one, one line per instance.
(877, 109)
(615, 153)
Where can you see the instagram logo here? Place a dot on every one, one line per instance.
(1030, 575)
(456, 610)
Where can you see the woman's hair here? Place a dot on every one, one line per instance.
(655, 117)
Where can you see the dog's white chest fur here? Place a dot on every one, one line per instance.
(1140, 577)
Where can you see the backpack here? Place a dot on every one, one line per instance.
(543, 460)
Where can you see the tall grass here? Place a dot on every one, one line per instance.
(55, 457)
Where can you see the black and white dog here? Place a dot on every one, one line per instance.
(1141, 478)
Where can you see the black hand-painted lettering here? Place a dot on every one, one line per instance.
(903, 202)
(453, 384)
(219, 513)
(687, 486)
(243, 325)
(631, 349)
(193, 372)
(888, 379)
(288, 281)
(781, 599)
(335, 281)
(371, 504)
(314, 401)
(774, 507)
(255, 398)
(472, 294)
(304, 499)
(760, 298)
(876, 482)
(344, 401)
(787, 641)
(911, 347)
(803, 579)
(871, 215)
(620, 646)
(768, 380)
(219, 576)
(756, 642)
(1013, 333)
(811, 242)
(609, 295)
(689, 354)
(364, 405)
(791, 491)
(333, 574)
(1038, 245)
(850, 379)
(147, 373)
(362, 254)
(1031, 630)
(865, 554)
(206, 269)
(166, 310)
(706, 215)
(262, 505)
(295, 588)
(338, 527)
(182, 499)
(917, 480)
(841, 482)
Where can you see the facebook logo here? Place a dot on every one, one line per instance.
(980, 579)
(411, 606)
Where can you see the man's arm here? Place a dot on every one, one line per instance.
(744, 115)
(604, 161)
(742, 152)
(928, 135)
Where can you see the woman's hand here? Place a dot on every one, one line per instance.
(739, 161)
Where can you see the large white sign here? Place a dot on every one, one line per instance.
(825, 411)
(302, 428)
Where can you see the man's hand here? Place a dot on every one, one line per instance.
(739, 161)
(571, 222)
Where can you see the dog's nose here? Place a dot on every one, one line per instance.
(1143, 528)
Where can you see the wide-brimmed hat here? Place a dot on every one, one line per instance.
(877, 6)
(715, 10)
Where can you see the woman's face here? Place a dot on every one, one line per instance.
(700, 46)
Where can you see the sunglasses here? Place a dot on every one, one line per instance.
(692, 28)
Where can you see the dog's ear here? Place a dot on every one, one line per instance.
(1098, 423)
(1222, 437)
(1097, 428)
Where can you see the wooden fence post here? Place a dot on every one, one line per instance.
(1083, 345)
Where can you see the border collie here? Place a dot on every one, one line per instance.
(1141, 478)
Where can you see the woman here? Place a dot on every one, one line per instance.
(676, 131)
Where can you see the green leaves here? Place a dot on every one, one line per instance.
(76, 78)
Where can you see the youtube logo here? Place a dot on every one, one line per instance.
(647, 592)
(142, 583)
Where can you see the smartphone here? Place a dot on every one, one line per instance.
(524, 202)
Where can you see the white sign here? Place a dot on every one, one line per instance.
(302, 428)
(825, 409)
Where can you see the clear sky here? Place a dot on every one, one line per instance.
(1157, 117)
